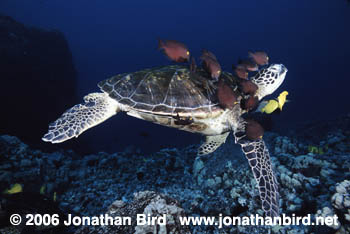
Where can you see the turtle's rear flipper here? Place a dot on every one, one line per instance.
(97, 108)
(259, 160)
(212, 143)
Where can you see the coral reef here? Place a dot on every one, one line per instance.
(147, 203)
(220, 183)
(341, 204)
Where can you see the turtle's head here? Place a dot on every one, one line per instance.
(269, 79)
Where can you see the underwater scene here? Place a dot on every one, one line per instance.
(174, 116)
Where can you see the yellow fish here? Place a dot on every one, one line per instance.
(282, 98)
(16, 188)
(270, 107)
(42, 189)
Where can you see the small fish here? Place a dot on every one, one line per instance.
(249, 65)
(253, 130)
(227, 97)
(250, 103)
(259, 57)
(209, 54)
(144, 134)
(193, 66)
(42, 190)
(182, 121)
(176, 51)
(240, 71)
(211, 64)
(270, 106)
(248, 87)
(16, 188)
(282, 98)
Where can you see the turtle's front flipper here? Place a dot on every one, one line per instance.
(97, 108)
(212, 143)
(259, 160)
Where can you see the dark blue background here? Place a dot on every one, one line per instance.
(108, 37)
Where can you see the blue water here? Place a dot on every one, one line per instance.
(311, 38)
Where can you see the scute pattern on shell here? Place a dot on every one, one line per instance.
(165, 90)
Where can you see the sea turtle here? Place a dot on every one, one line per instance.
(177, 97)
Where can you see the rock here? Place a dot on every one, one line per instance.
(76, 209)
(284, 145)
(5, 166)
(341, 202)
(25, 163)
(328, 212)
(36, 66)
(147, 203)
(198, 165)
(210, 185)
(117, 205)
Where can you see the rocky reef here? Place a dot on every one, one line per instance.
(176, 182)
(38, 79)
(146, 203)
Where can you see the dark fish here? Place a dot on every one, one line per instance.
(209, 54)
(240, 71)
(248, 87)
(260, 57)
(175, 50)
(250, 103)
(253, 130)
(249, 65)
(144, 134)
(211, 65)
(227, 97)
(182, 121)
(193, 66)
